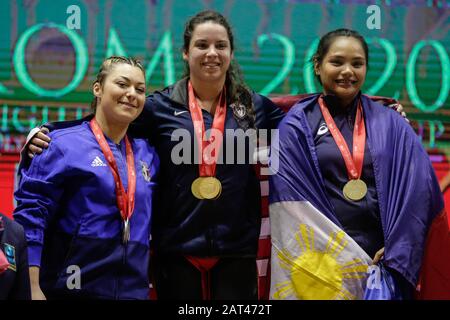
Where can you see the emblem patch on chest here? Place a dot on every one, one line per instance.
(10, 253)
(239, 110)
(145, 171)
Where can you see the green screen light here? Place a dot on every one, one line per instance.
(81, 64)
(411, 75)
(288, 60)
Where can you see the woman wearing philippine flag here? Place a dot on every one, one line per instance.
(354, 186)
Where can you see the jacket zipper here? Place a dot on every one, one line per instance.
(123, 246)
(121, 269)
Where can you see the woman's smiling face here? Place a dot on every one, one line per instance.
(209, 53)
(122, 95)
(343, 69)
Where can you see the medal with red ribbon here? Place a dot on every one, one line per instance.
(125, 200)
(207, 186)
(355, 189)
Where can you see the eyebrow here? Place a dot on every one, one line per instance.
(342, 57)
(206, 40)
(128, 79)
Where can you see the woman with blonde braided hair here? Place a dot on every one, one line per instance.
(86, 202)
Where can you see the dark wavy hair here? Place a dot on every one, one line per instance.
(237, 92)
(107, 66)
(327, 40)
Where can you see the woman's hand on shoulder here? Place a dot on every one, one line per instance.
(399, 108)
(39, 142)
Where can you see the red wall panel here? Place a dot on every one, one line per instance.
(8, 163)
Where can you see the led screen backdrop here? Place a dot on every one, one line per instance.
(50, 51)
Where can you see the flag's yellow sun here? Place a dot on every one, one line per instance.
(316, 274)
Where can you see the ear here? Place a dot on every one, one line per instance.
(316, 68)
(185, 56)
(232, 55)
(97, 90)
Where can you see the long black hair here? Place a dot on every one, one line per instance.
(237, 92)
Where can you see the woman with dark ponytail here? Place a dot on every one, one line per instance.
(206, 238)
(355, 192)
(238, 92)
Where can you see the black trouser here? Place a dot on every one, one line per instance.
(230, 279)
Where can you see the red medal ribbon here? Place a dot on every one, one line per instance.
(208, 161)
(354, 164)
(204, 265)
(125, 201)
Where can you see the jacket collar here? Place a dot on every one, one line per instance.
(333, 105)
(179, 92)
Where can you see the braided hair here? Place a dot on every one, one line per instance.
(107, 66)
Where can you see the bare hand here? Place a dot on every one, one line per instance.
(39, 141)
(378, 256)
(37, 294)
(399, 108)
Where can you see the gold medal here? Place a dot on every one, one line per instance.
(355, 190)
(210, 188)
(207, 186)
(195, 188)
(126, 231)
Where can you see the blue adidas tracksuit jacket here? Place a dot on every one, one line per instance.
(67, 205)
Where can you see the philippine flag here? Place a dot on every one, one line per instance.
(312, 258)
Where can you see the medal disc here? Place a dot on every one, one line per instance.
(210, 188)
(126, 231)
(195, 188)
(355, 190)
